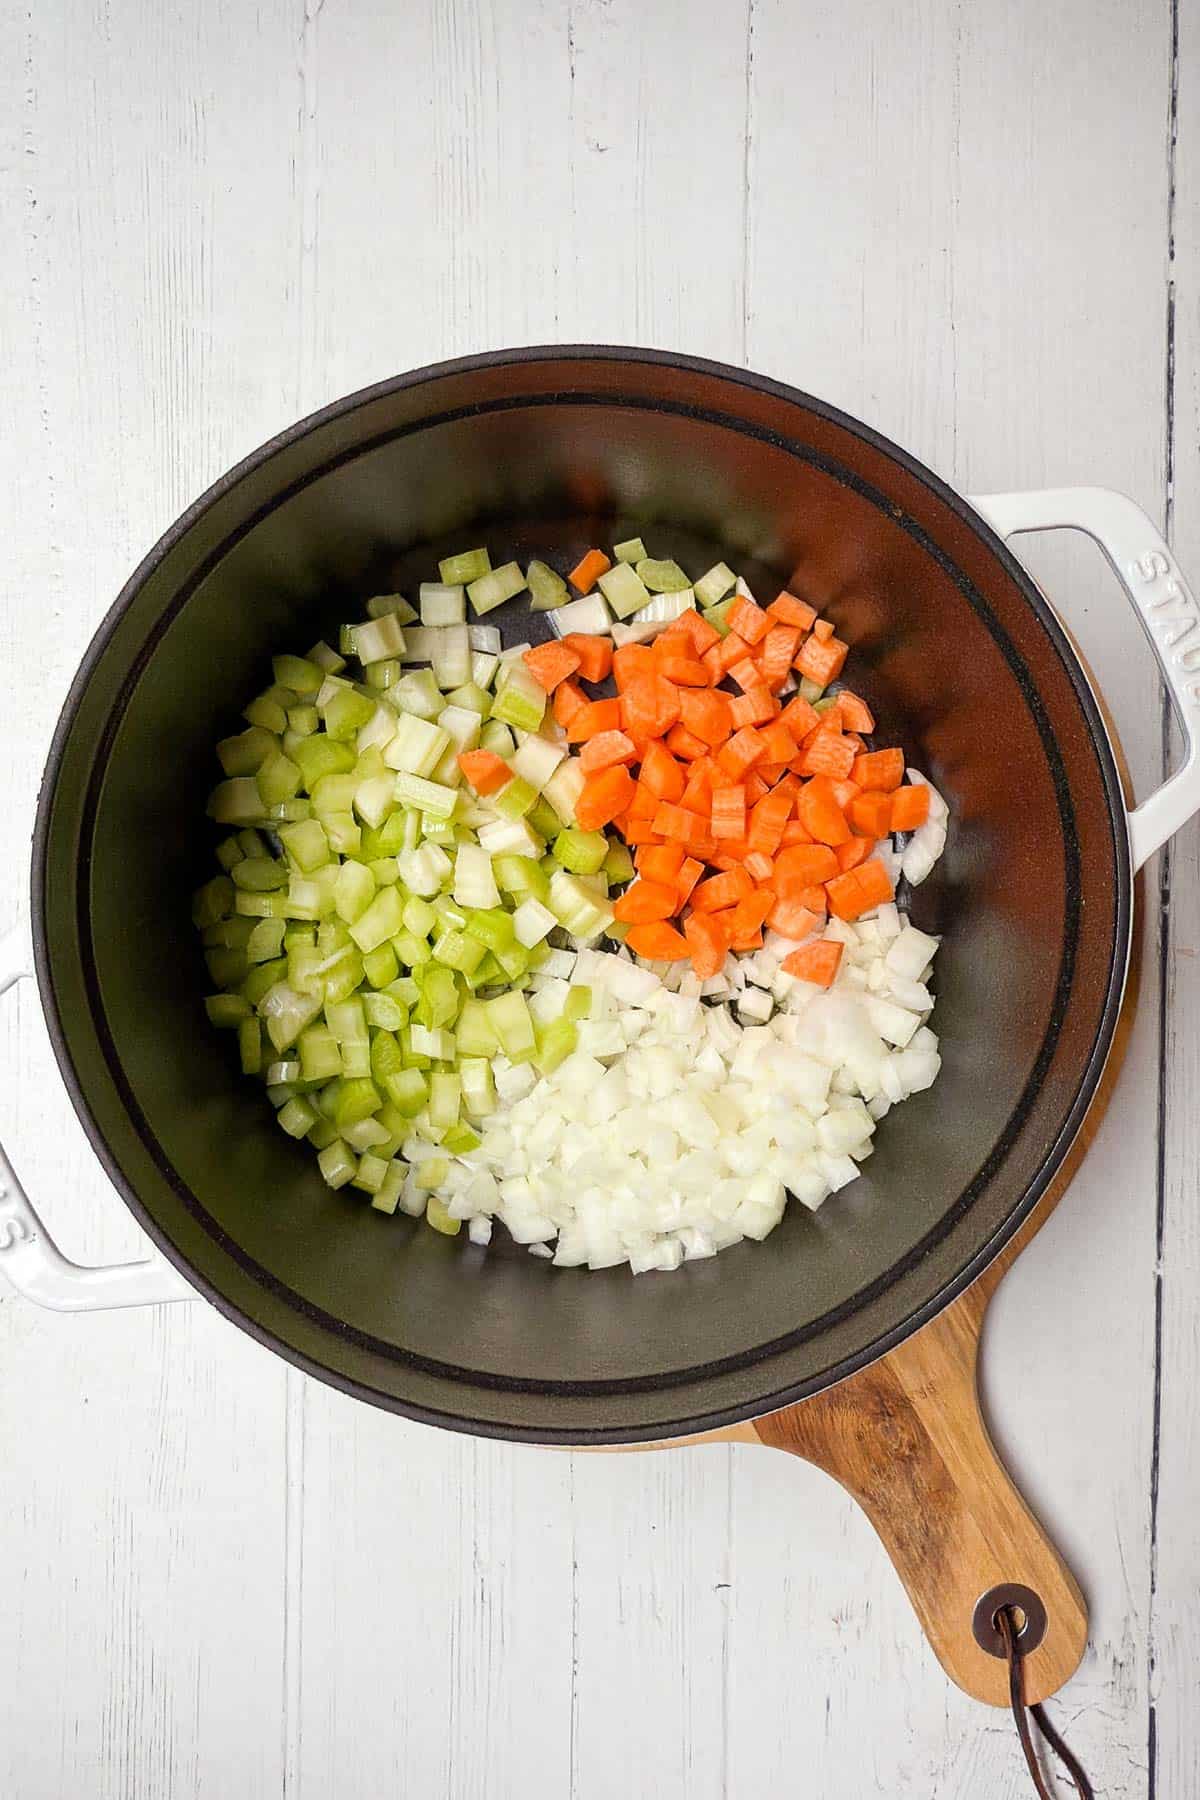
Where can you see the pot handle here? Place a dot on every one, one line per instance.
(30, 1258)
(1142, 562)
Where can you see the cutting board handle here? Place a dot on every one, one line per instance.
(906, 1438)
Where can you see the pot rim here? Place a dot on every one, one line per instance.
(711, 1419)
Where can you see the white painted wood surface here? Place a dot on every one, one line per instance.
(221, 1579)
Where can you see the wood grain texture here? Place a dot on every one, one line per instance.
(951, 220)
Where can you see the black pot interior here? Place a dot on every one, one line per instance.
(544, 454)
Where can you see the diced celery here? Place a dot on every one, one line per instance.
(229, 851)
(226, 1011)
(417, 694)
(511, 1021)
(493, 926)
(665, 577)
(379, 605)
(460, 1138)
(532, 922)
(576, 908)
(379, 639)
(246, 753)
(543, 819)
(521, 701)
(426, 796)
(556, 1042)
(278, 779)
(473, 1030)
(519, 875)
(297, 1117)
(297, 673)
(458, 951)
(496, 737)
(432, 1042)
(319, 756)
(450, 654)
(618, 863)
(811, 690)
(260, 874)
(355, 1100)
(578, 1003)
(286, 1013)
(582, 852)
(439, 1001)
(472, 698)
(546, 589)
(264, 906)
(262, 979)
(382, 919)
(212, 902)
(443, 603)
(408, 1090)
(445, 1100)
(631, 551)
(564, 787)
(714, 585)
(347, 713)
(370, 1173)
(384, 1013)
(354, 893)
(385, 869)
(382, 675)
(265, 941)
(513, 960)
(435, 1213)
(226, 967)
(536, 759)
(337, 1164)
(493, 589)
(267, 713)
(236, 802)
(320, 1057)
(478, 1088)
(624, 589)
(468, 565)
(325, 658)
(474, 882)
(411, 950)
(515, 799)
(380, 966)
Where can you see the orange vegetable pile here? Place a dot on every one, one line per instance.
(743, 809)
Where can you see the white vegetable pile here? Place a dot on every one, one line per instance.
(676, 1128)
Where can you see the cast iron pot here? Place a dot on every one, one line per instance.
(544, 452)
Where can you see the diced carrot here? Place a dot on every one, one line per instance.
(754, 708)
(689, 875)
(722, 890)
(791, 919)
(629, 661)
(854, 851)
(569, 698)
(712, 662)
(743, 749)
(720, 778)
(659, 862)
(706, 944)
(859, 743)
(856, 714)
(592, 718)
(649, 706)
(606, 750)
(822, 630)
(801, 866)
(819, 812)
(485, 772)
(817, 962)
(748, 619)
(780, 744)
(595, 654)
(770, 772)
(702, 634)
(790, 611)
(775, 655)
(588, 570)
(879, 771)
(844, 792)
(644, 804)
(731, 852)
(750, 913)
(697, 793)
(768, 820)
(746, 674)
(756, 786)
(550, 663)
(800, 718)
(640, 831)
(705, 714)
(910, 808)
(759, 866)
(815, 899)
(822, 662)
(796, 833)
(826, 753)
(603, 797)
(660, 773)
(673, 640)
(646, 901)
(859, 890)
(679, 825)
(871, 814)
(684, 671)
(685, 743)
(728, 812)
(658, 942)
(732, 648)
